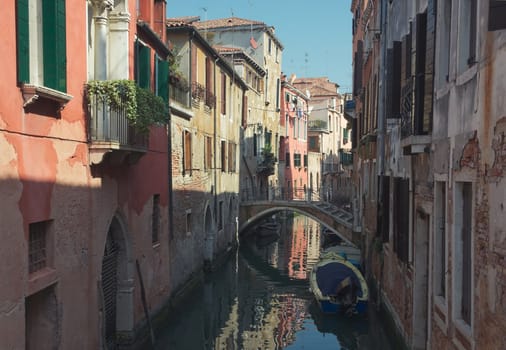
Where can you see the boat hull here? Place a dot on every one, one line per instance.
(329, 303)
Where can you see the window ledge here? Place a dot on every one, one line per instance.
(467, 75)
(41, 279)
(32, 93)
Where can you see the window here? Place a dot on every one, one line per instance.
(445, 21)
(401, 218)
(287, 157)
(188, 221)
(223, 156)
(440, 240)
(314, 145)
(232, 151)
(187, 152)
(142, 65)
(155, 219)
(162, 78)
(466, 34)
(296, 160)
(497, 15)
(255, 145)
(208, 152)
(305, 161)
(278, 93)
(223, 93)
(41, 43)
(270, 46)
(463, 251)
(37, 246)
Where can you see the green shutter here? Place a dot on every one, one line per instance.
(163, 79)
(54, 44)
(22, 41)
(144, 67)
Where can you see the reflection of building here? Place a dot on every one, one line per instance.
(206, 119)
(298, 248)
(313, 233)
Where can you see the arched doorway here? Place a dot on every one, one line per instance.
(117, 276)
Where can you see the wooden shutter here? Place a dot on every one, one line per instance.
(420, 54)
(193, 59)
(223, 93)
(144, 64)
(223, 156)
(244, 110)
(22, 41)
(54, 45)
(497, 15)
(430, 50)
(187, 156)
(396, 79)
(163, 79)
(467, 213)
(209, 75)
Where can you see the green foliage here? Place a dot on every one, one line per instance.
(143, 108)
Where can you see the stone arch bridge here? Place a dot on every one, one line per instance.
(335, 219)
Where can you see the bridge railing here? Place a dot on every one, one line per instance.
(281, 193)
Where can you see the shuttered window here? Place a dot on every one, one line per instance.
(187, 153)
(162, 79)
(23, 43)
(51, 51)
(401, 219)
(223, 93)
(143, 66)
(54, 44)
(223, 156)
(497, 15)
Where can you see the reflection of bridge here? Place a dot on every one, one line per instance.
(334, 218)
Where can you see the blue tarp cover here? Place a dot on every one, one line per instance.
(330, 275)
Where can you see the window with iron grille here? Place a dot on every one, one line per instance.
(37, 246)
(155, 219)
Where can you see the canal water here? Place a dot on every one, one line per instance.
(260, 299)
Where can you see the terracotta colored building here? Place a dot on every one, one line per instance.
(293, 146)
(84, 180)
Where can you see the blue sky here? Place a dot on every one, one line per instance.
(316, 35)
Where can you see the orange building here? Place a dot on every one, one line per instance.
(84, 177)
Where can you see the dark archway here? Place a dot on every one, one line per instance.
(117, 284)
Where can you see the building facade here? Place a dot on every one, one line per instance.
(205, 132)
(293, 146)
(84, 225)
(432, 224)
(262, 132)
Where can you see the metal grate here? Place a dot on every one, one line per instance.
(109, 286)
(37, 246)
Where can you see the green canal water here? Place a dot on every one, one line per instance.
(260, 299)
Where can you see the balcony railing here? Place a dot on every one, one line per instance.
(266, 164)
(200, 93)
(346, 158)
(110, 130)
(316, 125)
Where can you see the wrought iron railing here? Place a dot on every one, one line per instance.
(180, 95)
(200, 93)
(110, 124)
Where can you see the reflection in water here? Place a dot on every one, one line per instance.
(260, 299)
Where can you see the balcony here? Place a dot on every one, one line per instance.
(113, 136)
(317, 125)
(266, 163)
(346, 158)
(200, 93)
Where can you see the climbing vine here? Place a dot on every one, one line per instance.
(142, 107)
